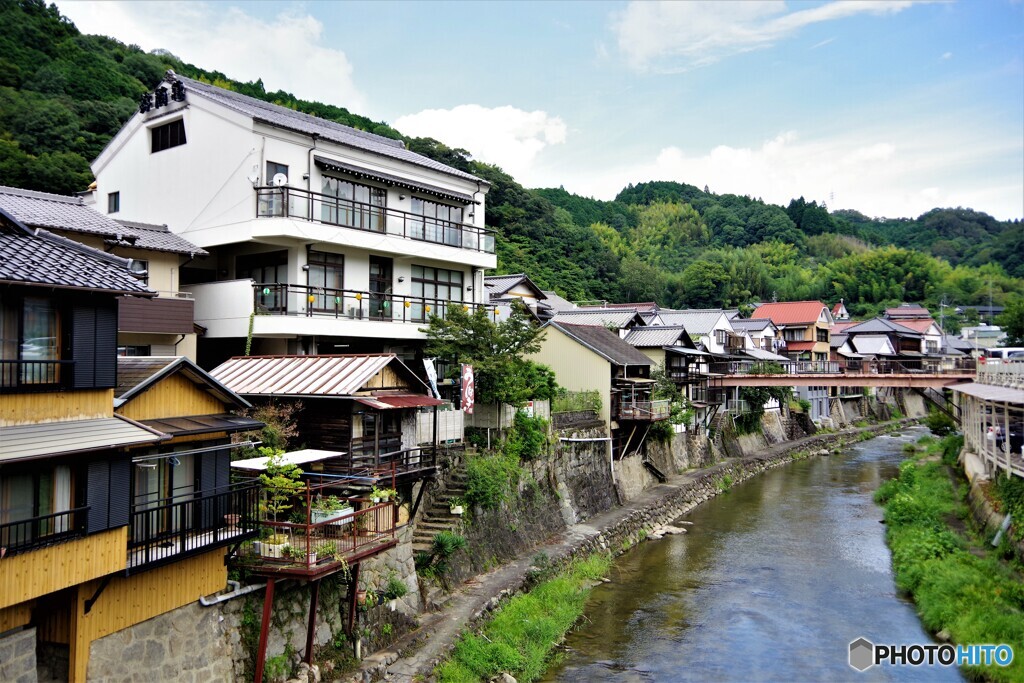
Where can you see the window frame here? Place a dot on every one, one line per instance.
(423, 278)
(114, 202)
(167, 136)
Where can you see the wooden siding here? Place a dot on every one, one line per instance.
(387, 378)
(18, 409)
(159, 315)
(576, 367)
(38, 572)
(173, 396)
(127, 601)
(15, 616)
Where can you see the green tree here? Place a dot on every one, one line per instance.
(495, 350)
(1012, 322)
(702, 284)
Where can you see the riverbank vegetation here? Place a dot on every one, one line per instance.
(960, 588)
(520, 637)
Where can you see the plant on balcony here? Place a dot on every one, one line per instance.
(331, 509)
(383, 495)
(281, 483)
(327, 549)
(301, 555)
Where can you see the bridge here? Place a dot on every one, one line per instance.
(830, 373)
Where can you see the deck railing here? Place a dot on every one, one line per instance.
(1002, 373)
(361, 457)
(167, 530)
(30, 375)
(287, 299)
(37, 532)
(290, 202)
(644, 410)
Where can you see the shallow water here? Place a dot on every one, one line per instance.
(773, 581)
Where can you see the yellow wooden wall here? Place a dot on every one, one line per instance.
(13, 617)
(127, 601)
(38, 572)
(576, 367)
(387, 378)
(59, 405)
(173, 396)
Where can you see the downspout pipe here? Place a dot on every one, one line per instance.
(236, 591)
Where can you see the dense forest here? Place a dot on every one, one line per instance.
(63, 95)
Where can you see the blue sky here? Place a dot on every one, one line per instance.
(887, 107)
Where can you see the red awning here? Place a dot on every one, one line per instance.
(398, 401)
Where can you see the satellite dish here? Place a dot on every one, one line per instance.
(280, 180)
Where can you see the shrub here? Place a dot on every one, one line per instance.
(490, 477)
(527, 438)
(940, 423)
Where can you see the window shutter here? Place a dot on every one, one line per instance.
(98, 495)
(83, 346)
(119, 493)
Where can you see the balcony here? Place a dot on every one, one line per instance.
(335, 532)
(288, 202)
(168, 530)
(365, 455)
(45, 530)
(23, 376)
(643, 411)
(159, 315)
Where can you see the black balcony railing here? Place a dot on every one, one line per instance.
(167, 530)
(34, 375)
(290, 202)
(353, 304)
(37, 532)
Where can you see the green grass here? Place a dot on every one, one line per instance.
(520, 637)
(976, 599)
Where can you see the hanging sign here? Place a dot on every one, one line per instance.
(468, 389)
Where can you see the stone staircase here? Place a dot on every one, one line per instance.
(438, 517)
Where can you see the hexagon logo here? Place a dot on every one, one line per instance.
(862, 654)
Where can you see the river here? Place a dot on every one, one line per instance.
(773, 581)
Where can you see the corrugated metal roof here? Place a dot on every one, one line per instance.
(645, 337)
(698, 322)
(599, 317)
(46, 439)
(908, 311)
(136, 374)
(303, 375)
(605, 343)
(290, 119)
(791, 312)
(761, 354)
(872, 345)
(991, 392)
(46, 259)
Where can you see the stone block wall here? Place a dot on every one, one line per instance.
(18, 656)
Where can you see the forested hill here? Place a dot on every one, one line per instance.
(64, 94)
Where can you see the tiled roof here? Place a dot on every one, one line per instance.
(750, 324)
(604, 343)
(46, 259)
(880, 326)
(646, 337)
(641, 307)
(599, 316)
(907, 311)
(497, 285)
(872, 345)
(557, 303)
(72, 214)
(843, 325)
(160, 238)
(56, 212)
(921, 325)
(790, 312)
(697, 321)
(283, 117)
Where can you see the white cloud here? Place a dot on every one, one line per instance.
(947, 55)
(509, 137)
(904, 175)
(675, 36)
(287, 53)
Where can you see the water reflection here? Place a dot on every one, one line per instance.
(772, 583)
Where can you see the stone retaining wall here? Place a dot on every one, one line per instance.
(18, 656)
(987, 518)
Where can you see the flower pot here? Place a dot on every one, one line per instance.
(376, 500)
(232, 520)
(457, 509)
(360, 597)
(336, 517)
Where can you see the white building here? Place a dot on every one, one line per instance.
(322, 238)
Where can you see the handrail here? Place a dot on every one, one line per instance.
(162, 532)
(37, 532)
(276, 298)
(26, 375)
(290, 202)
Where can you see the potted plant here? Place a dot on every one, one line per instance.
(382, 495)
(331, 509)
(281, 482)
(231, 520)
(456, 505)
(302, 555)
(327, 550)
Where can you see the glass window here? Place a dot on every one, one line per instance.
(352, 205)
(327, 275)
(168, 135)
(441, 223)
(433, 287)
(113, 202)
